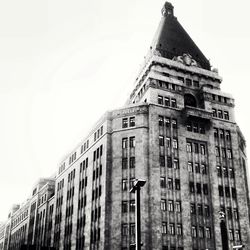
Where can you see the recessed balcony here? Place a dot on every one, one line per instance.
(193, 112)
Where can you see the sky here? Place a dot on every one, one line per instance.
(64, 63)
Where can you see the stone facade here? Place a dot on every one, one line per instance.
(177, 131)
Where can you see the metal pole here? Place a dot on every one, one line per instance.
(138, 219)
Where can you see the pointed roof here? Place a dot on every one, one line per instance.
(171, 40)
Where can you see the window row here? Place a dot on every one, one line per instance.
(95, 214)
(60, 185)
(85, 146)
(97, 153)
(196, 148)
(220, 114)
(128, 206)
(70, 193)
(71, 175)
(198, 188)
(170, 205)
(168, 85)
(227, 172)
(162, 120)
(95, 235)
(59, 201)
(61, 168)
(83, 183)
(224, 152)
(128, 122)
(167, 101)
(199, 209)
(81, 222)
(196, 127)
(69, 210)
(201, 232)
(220, 98)
(230, 213)
(98, 133)
(197, 168)
(223, 134)
(189, 82)
(84, 164)
(170, 183)
(131, 141)
(82, 202)
(170, 164)
(72, 158)
(96, 193)
(226, 191)
(168, 143)
(97, 173)
(125, 184)
(125, 162)
(128, 229)
(171, 228)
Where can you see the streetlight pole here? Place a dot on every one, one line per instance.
(136, 189)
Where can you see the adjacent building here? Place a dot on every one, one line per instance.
(177, 131)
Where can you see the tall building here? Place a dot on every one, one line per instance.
(177, 132)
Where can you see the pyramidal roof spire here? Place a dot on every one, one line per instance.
(171, 40)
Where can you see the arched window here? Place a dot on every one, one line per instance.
(189, 100)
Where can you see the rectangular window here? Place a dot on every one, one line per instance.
(225, 172)
(176, 164)
(227, 191)
(237, 235)
(167, 122)
(174, 123)
(229, 153)
(163, 182)
(194, 231)
(220, 115)
(162, 161)
(203, 150)
(196, 83)
(163, 205)
(234, 193)
(169, 162)
(221, 192)
(125, 122)
(170, 183)
(124, 184)
(197, 167)
(160, 119)
(164, 228)
(216, 133)
(124, 142)
(168, 142)
(207, 210)
(205, 189)
(226, 115)
(160, 100)
(178, 206)
(231, 234)
(173, 103)
(198, 188)
(191, 187)
(166, 101)
(124, 229)
(189, 147)
(171, 229)
(217, 151)
(161, 141)
(214, 112)
(190, 167)
(177, 184)
(189, 127)
(175, 143)
(236, 214)
(170, 205)
(192, 208)
(200, 209)
(124, 206)
(124, 163)
(132, 206)
(188, 82)
(132, 142)
(132, 162)
(179, 229)
(228, 135)
(203, 169)
(202, 129)
(132, 121)
(201, 232)
(195, 127)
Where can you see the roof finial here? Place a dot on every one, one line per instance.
(168, 9)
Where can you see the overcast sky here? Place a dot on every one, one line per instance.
(64, 63)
